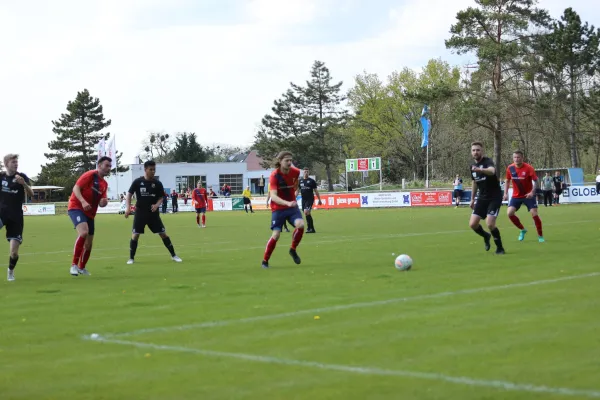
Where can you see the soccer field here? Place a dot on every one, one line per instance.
(345, 324)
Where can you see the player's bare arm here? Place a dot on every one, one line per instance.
(318, 197)
(279, 200)
(77, 190)
(531, 194)
(128, 205)
(22, 182)
(506, 187)
(154, 207)
(473, 191)
(489, 171)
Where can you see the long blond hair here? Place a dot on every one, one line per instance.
(280, 157)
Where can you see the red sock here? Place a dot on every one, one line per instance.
(203, 219)
(77, 250)
(538, 224)
(270, 247)
(515, 220)
(197, 219)
(85, 256)
(297, 237)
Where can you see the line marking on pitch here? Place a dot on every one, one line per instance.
(340, 239)
(212, 324)
(431, 376)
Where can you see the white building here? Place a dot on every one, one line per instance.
(180, 176)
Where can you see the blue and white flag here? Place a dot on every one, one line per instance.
(426, 124)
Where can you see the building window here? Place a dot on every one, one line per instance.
(235, 181)
(182, 183)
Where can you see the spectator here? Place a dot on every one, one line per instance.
(547, 184)
(458, 189)
(212, 194)
(261, 185)
(174, 198)
(165, 202)
(557, 180)
(598, 182)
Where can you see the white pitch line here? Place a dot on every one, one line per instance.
(339, 239)
(262, 246)
(459, 380)
(212, 324)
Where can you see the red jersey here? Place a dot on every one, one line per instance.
(93, 188)
(200, 197)
(285, 184)
(522, 179)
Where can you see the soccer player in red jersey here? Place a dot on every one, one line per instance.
(200, 198)
(283, 184)
(524, 183)
(89, 192)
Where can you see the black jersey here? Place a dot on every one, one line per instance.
(557, 180)
(147, 193)
(488, 186)
(307, 188)
(12, 194)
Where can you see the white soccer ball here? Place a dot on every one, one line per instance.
(94, 336)
(403, 262)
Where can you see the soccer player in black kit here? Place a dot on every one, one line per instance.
(308, 189)
(489, 199)
(13, 187)
(149, 193)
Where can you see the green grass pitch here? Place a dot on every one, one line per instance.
(463, 324)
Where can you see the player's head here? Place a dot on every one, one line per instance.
(477, 150)
(11, 163)
(149, 169)
(557, 173)
(104, 166)
(283, 160)
(518, 158)
(199, 185)
(547, 173)
(305, 172)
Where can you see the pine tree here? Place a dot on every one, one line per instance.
(570, 52)
(498, 32)
(78, 132)
(323, 116)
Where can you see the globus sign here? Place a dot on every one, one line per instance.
(580, 194)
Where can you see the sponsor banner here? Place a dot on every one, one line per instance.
(113, 207)
(441, 198)
(224, 204)
(331, 201)
(39, 209)
(385, 199)
(580, 194)
(237, 203)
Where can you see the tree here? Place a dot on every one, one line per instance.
(306, 120)
(323, 116)
(225, 153)
(78, 133)
(187, 149)
(158, 146)
(498, 32)
(284, 129)
(569, 52)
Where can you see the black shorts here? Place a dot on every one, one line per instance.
(307, 204)
(13, 223)
(152, 220)
(246, 200)
(487, 207)
(558, 190)
(458, 193)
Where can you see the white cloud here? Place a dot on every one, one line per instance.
(215, 80)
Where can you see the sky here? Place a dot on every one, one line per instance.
(212, 67)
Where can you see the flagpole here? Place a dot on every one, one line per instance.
(427, 167)
(116, 165)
